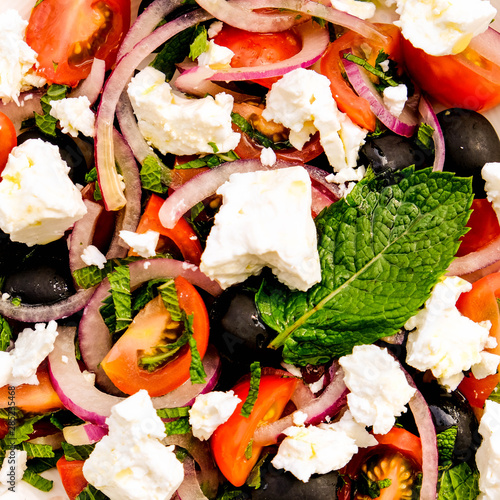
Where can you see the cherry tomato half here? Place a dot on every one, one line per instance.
(68, 34)
(257, 49)
(72, 478)
(149, 329)
(8, 139)
(466, 80)
(357, 108)
(231, 440)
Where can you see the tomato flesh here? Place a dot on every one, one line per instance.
(68, 34)
(231, 440)
(149, 329)
(72, 478)
(8, 139)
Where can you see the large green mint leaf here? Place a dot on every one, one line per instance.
(382, 249)
(459, 483)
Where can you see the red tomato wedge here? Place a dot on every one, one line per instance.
(182, 234)
(72, 478)
(230, 441)
(68, 34)
(150, 328)
(257, 49)
(8, 139)
(466, 80)
(357, 108)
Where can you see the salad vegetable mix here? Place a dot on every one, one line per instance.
(249, 249)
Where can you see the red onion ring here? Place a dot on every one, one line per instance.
(324, 193)
(91, 404)
(190, 488)
(407, 122)
(84, 434)
(29, 103)
(92, 85)
(81, 236)
(430, 118)
(113, 196)
(95, 341)
(206, 184)
(487, 44)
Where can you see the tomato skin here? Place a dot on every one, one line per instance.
(230, 440)
(357, 108)
(258, 49)
(8, 139)
(68, 34)
(480, 304)
(72, 478)
(478, 84)
(121, 362)
(484, 227)
(182, 234)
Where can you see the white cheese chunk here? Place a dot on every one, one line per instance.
(488, 454)
(444, 341)
(38, 200)
(216, 56)
(395, 98)
(13, 467)
(131, 463)
(74, 115)
(302, 101)
(92, 256)
(442, 27)
(268, 157)
(172, 123)
(265, 220)
(379, 389)
(211, 410)
(17, 58)
(491, 175)
(144, 244)
(357, 8)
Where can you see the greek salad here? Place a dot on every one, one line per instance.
(249, 249)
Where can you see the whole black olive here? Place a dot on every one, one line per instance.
(69, 150)
(470, 142)
(390, 152)
(12, 254)
(277, 484)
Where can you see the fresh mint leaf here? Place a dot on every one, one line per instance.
(46, 122)
(424, 137)
(5, 334)
(177, 426)
(446, 443)
(81, 452)
(38, 450)
(164, 353)
(253, 392)
(459, 483)
(382, 249)
(20, 433)
(37, 481)
(154, 175)
(90, 276)
(91, 176)
(199, 44)
(495, 394)
(91, 493)
(42, 464)
(168, 292)
(210, 161)
(196, 368)
(119, 281)
(181, 411)
(368, 488)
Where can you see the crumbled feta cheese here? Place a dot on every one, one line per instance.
(491, 175)
(64, 359)
(131, 463)
(299, 418)
(215, 28)
(379, 389)
(318, 385)
(216, 56)
(92, 256)
(17, 58)
(31, 347)
(395, 98)
(385, 65)
(268, 157)
(443, 340)
(74, 115)
(175, 124)
(211, 410)
(38, 200)
(276, 231)
(303, 102)
(143, 244)
(356, 431)
(442, 27)
(89, 377)
(488, 454)
(357, 8)
(13, 467)
(487, 366)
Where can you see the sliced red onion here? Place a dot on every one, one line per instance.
(83, 434)
(129, 215)
(206, 184)
(89, 403)
(404, 125)
(109, 181)
(430, 118)
(487, 256)
(314, 38)
(92, 85)
(29, 103)
(95, 341)
(190, 488)
(487, 44)
(328, 403)
(82, 234)
(324, 193)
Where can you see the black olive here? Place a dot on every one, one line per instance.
(470, 142)
(277, 484)
(390, 152)
(69, 150)
(12, 254)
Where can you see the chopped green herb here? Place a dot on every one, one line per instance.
(459, 483)
(21, 432)
(182, 411)
(199, 44)
(39, 465)
(46, 122)
(495, 394)
(81, 452)
(388, 81)
(37, 481)
(424, 137)
(249, 450)
(119, 281)
(253, 392)
(64, 418)
(177, 426)
(38, 450)
(366, 487)
(196, 369)
(210, 161)
(154, 175)
(5, 334)
(168, 293)
(91, 176)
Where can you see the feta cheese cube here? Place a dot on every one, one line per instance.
(265, 220)
(268, 157)
(92, 256)
(143, 244)
(357, 8)
(395, 98)
(216, 56)
(491, 175)
(74, 115)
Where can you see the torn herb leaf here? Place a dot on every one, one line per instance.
(119, 281)
(253, 392)
(154, 175)
(5, 334)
